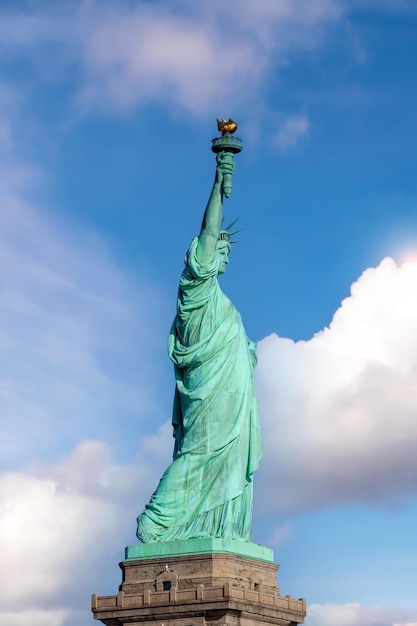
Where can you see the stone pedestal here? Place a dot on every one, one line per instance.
(198, 589)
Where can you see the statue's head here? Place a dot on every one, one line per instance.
(223, 246)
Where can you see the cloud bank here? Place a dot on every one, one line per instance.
(339, 409)
(62, 531)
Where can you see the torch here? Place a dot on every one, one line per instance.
(225, 147)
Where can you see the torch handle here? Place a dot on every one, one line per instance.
(226, 159)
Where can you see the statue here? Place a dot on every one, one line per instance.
(207, 490)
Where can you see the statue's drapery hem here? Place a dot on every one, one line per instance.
(233, 520)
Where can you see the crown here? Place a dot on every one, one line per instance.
(225, 235)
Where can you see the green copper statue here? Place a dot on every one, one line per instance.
(207, 490)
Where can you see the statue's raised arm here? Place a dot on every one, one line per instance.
(213, 215)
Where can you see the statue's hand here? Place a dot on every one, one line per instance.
(224, 170)
(225, 162)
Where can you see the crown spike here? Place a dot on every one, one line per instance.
(232, 224)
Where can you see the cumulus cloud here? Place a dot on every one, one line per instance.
(62, 530)
(339, 409)
(353, 614)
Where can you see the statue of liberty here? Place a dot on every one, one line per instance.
(207, 490)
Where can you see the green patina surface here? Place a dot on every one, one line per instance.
(200, 546)
(206, 492)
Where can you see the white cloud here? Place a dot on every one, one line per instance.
(71, 324)
(353, 614)
(62, 531)
(199, 60)
(196, 57)
(42, 618)
(339, 410)
(291, 131)
(156, 57)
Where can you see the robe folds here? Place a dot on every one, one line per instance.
(207, 489)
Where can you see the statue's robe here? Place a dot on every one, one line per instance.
(207, 489)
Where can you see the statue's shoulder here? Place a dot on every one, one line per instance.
(194, 269)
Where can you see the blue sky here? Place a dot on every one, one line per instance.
(107, 111)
